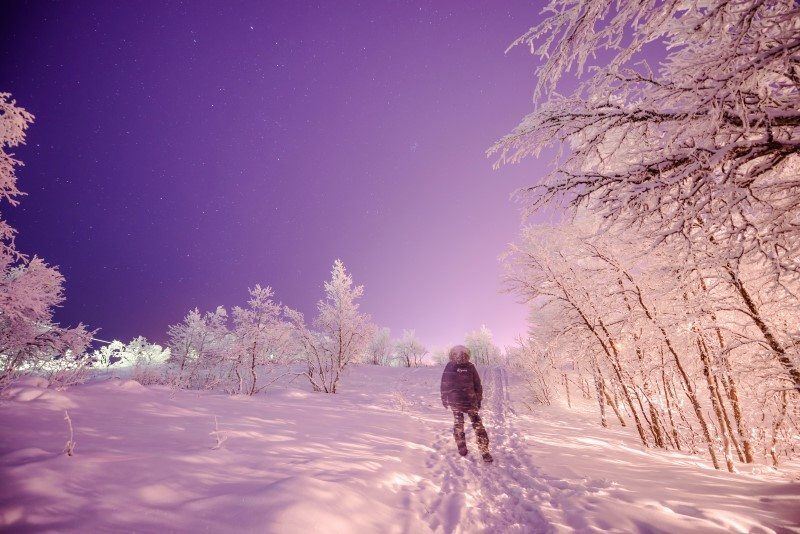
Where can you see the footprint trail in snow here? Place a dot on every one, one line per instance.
(510, 495)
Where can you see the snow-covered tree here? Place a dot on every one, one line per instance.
(261, 338)
(207, 352)
(701, 146)
(441, 355)
(481, 345)
(138, 351)
(141, 360)
(340, 333)
(29, 288)
(266, 339)
(669, 346)
(108, 355)
(14, 122)
(380, 348)
(682, 141)
(699, 149)
(200, 350)
(409, 350)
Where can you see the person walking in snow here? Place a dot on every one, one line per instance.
(462, 392)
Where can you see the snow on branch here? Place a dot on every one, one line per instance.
(706, 140)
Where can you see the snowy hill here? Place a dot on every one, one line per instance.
(378, 457)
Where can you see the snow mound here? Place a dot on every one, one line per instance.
(23, 394)
(24, 456)
(131, 385)
(32, 382)
(26, 388)
(55, 399)
(126, 385)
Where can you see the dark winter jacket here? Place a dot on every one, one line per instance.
(461, 387)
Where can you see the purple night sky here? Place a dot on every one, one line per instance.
(183, 153)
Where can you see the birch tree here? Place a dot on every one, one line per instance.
(339, 334)
(379, 350)
(668, 345)
(482, 347)
(410, 351)
(261, 337)
(697, 147)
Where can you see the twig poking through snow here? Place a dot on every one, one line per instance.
(69, 448)
(221, 436)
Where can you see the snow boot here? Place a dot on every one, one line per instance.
(461, 443)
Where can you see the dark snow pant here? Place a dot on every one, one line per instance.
(477, 425)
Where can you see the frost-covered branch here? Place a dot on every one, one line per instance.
(706, 141)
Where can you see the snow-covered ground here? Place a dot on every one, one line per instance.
(378, 457)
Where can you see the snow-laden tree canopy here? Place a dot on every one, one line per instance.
(675, 129)
(30, 290)
(703, 140)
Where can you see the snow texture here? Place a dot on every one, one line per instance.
(378, 457)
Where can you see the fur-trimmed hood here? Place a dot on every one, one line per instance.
(459, 354)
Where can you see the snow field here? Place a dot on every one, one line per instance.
(379, 457)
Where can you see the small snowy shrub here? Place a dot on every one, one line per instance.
(67, 370)
(108, 355)
(142, 360)
(240, 354)
(535, 365)
(219, 436)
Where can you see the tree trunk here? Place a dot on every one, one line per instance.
(712, 392)
(658, 434)
(675, 438)
(601, 401)
(585, 391)
(727, 420)
(611, 402)
(698, 411)
(755, 315)
(729, 387)
(685, 377)
(655, 424)
(626, 395)
(613, 355)
(733, 395)
(253, 375)
(775, 428)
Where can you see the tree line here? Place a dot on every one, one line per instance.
(672, 285)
